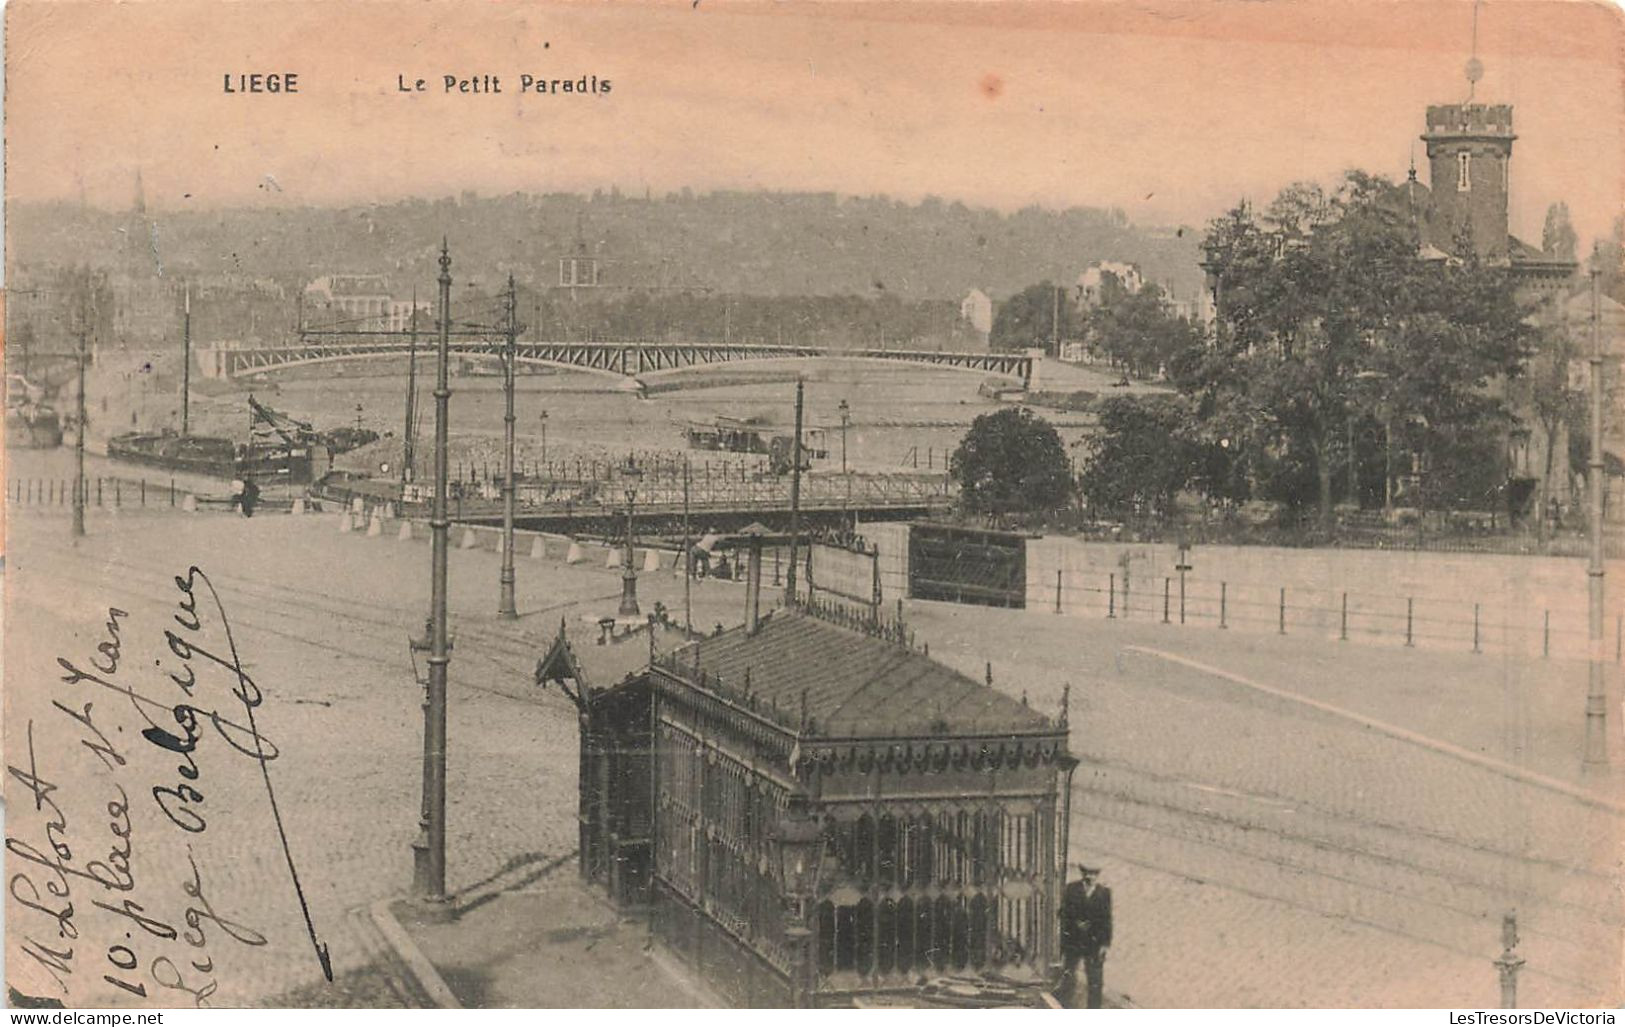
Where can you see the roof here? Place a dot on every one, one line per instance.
(1521, 252)
(576, 655)
(856, 685)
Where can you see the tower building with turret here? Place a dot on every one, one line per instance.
(1463, 210)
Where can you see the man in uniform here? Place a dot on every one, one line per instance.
(1086, 934)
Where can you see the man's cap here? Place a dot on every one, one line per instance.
(1089, 869)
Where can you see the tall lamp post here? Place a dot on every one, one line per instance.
(1596, 751)
(79, 423)
(429, 850)
(800, 840)
(544, 438)
(505, 607)
(846, 420)
(629, 573)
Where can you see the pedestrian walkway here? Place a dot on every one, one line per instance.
(550, 944)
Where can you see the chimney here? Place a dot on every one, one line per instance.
(753, 587)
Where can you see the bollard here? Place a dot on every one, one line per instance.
(1343, 631)
(1057, 590)
(172, 492)
(1223, 597)
(1410, 612)
(1475, 627)
(1165, 584)
(1546, 636)
(538, 548)
(405, 532)
(651, 560)
(1111, 595)
(1283, 611)
(143, 492)
(189, 503)
(574, 554)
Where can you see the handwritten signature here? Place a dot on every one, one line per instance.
(45, 885)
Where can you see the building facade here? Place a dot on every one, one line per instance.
(933, 809)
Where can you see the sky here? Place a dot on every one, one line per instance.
(1169, 110)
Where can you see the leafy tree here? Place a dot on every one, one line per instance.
(1034, 319)
(1138, 329)
(1012, 461)
(1558, 238)
(1328, 313)
(1140, 459)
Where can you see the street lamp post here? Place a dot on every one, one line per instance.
(506, 607)
(1596, 743)
(846, 420)
(79, 433)
(800, 840)
(629, 573)
(544, 438)
(1509, 962)
(429, 850)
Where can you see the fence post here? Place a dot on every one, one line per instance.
(1224, 589)
(1343, 631)
(1165, 584)
(143, 492)
(1546, 636)
(1283, 611)
(1475, 627)
(1111, 595)
(118, 493)
(1057, 590)
(98, 491)
(1410, 610)
(1182, 597)
(172, 492)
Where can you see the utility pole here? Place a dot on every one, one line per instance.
(1509, 962)
(506, 608)
(79, 439)
(688, 559)
(795, 501)
(411, 397)
(1055, 323)
(1596, 751)
(629, 573)
(186, 362)
(429, 851)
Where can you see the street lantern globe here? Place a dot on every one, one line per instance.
(801, 840)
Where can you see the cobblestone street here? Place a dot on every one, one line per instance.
(321, 620)
(1263, 852)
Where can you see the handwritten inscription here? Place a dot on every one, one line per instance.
(86, 899)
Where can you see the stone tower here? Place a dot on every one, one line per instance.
(1469, 156)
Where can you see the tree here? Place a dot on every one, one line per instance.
(1328, 313)
(1140, 459)
(1011, 461)
(1558, 238)
(1137, 329)
(1033, 319)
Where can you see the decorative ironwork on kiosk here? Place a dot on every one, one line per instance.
(835, 816)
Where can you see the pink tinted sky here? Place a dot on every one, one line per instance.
(1170, 110)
